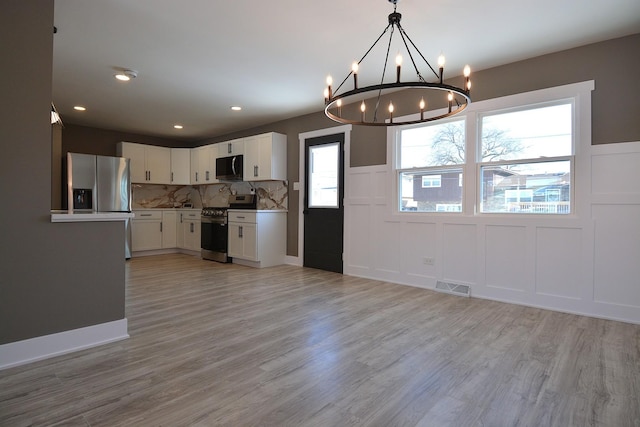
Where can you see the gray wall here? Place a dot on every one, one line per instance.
(53, 277)
(613, 65)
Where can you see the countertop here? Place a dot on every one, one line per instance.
(66, 216)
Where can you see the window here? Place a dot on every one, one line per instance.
(525, 164)
(429, 181)
(430, 167)
(520, 149)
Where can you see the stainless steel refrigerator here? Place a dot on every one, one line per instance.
(100, 184)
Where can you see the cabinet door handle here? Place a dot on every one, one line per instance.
(229, 148)
(145, 214)
(255, 170)
(171, 176)
(161, 227)
(240, 217)
(191, 228)
(240, 232)
(180, 218)
(196, 176)
(207, 176)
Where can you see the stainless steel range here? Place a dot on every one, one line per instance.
(213, 243)
(215, 237)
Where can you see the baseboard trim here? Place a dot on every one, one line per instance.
(40, 348)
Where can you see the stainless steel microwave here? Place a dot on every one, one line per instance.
(229, 168)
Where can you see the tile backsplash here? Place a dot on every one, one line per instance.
(272, 195)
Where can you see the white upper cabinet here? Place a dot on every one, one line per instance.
(203, 164)
(180, 166)
(149, 164)
(265, 157)
(231, 148)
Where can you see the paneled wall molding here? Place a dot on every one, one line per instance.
(585, 263)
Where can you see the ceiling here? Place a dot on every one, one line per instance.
(197, 58)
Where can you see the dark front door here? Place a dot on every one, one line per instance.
(323, 202)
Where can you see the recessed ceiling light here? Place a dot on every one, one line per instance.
(236, 108)
(79, 108)
(177, 126)
(126, 75)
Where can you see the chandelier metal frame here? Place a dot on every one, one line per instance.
(334, 100)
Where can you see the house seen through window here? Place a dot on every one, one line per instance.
(523, 161)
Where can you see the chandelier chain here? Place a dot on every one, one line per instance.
(386, 60)
(402, 31)
(364, 56)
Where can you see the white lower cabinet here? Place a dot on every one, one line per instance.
(154, 229)
(257, 238)
(189, 230)
(169, 229)
(146, 231)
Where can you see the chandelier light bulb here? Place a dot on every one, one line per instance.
(391, 107)
(399, 60)
(363, 107)
(329, 83)
(441, 61)
(354, 67)
(450, 97)
(422, 104)
(467, 73)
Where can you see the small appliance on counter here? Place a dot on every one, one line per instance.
(243, 201)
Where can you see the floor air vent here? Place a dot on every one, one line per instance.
(453, 288)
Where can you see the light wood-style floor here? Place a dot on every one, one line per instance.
(226, 345)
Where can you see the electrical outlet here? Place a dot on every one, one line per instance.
(428, 261)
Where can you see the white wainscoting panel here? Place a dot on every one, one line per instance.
(387, 247)
(587, 263)
(559, 262)
(418, 242)
(506, 251)
(459, 261)
(617, 254)
(357, 230)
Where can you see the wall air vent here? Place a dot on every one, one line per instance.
(453, 288)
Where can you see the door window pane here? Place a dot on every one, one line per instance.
(323, 175)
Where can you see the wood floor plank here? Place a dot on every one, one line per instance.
(225, 345)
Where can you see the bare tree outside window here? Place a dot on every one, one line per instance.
(448, 145)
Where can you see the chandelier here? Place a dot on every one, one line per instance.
(343, 106)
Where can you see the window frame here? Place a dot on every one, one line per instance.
(428, 170)
(578, 94)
